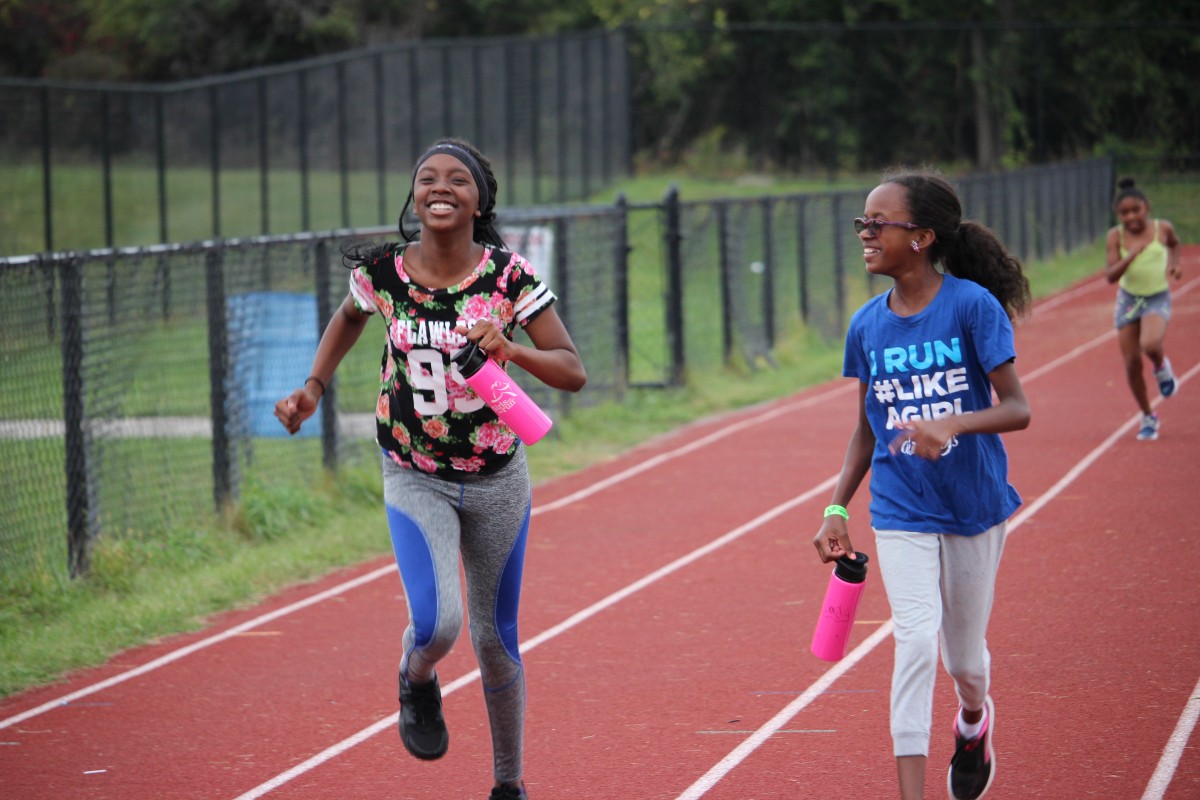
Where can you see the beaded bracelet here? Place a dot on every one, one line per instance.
(320, 383)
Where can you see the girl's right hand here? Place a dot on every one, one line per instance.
(833, 540)
(295, 408)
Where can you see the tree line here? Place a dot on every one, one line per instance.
(789, 85)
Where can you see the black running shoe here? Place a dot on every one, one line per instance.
(422, 728)
(974, 764)
(507, 792)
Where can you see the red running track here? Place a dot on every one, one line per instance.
(669, 598)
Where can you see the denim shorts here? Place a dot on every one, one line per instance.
(1132, 307)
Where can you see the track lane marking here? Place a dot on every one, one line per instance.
(548, 634)
(626, 474)
(753, 742)
(613, 480)
(1173, 752)
(390, 569)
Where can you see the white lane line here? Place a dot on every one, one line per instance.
(727, 430)
(752, 743)
(624, 475)
(613, 480)
(773, 725)
(1161, 779)
(175, 655)
(564, 626)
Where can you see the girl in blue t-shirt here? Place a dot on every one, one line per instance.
(455, 481)
(927, 355)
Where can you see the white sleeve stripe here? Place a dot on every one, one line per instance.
(536, 300)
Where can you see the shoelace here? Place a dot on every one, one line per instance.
(424, 703)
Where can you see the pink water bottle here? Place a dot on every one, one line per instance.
(831, 639)
(501, 393)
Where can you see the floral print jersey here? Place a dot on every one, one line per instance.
(427, 417)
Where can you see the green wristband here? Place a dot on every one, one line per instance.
(839, 510)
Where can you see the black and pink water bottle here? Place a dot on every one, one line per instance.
(831, 639)
(493, 385)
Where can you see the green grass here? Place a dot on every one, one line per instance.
(289, 528)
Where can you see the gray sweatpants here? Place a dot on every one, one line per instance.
(485, 519)
(940, 588)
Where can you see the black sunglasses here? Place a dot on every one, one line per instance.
(874, 226)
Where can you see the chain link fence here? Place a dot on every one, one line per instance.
(139, 382)
(323, 144)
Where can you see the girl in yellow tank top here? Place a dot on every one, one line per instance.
(1142, 258)
(1147, 272)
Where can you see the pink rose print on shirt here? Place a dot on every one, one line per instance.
(476, 307)
(458, 391)
(383, 408)
(466, 283)
(503, 309)
(424, 462)
(384, 302)
(494, 435)
(435, 427)
(420, 297)
(472, 464)
(400, 434)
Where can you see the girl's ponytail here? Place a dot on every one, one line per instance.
(965, 249)
(976, 254)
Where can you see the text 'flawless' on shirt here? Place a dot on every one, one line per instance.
(438, 333)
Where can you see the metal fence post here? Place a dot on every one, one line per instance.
(621, 259)
(343, 156)
(80, 517)
(802, 256)
(768, 285)
(214, 121)
(264, 155)
(673, 240)
(839, 280)
(47, 166)
(726, 273)
(160, 165)
(218, 372)
(302, 144)
(562, 278)
(329, 401)
(106, 148)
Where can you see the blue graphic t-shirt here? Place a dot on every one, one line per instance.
(927, 366)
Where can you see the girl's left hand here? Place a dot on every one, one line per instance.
(927, 439)
(489, 338)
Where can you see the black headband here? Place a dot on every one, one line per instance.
(468, 160)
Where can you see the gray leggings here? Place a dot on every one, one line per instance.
(940, 588)
(485, 518)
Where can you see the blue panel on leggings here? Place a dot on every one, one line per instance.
(508, 593)
(416, 567)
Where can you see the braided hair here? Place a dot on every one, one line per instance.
(966, 249)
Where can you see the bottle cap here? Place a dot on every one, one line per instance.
(470, 359)
(852, 570)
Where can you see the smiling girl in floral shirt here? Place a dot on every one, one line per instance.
(427, 416)
(455, 480)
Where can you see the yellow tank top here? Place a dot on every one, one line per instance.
(1147, 274)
